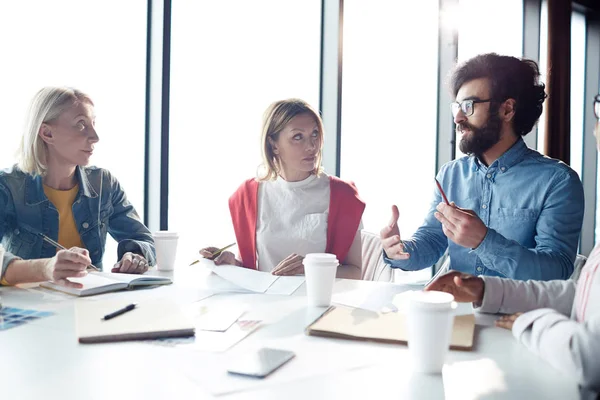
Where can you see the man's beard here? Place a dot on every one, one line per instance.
(481, 139)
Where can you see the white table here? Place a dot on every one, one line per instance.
(43, 360)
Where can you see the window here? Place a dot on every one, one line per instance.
(489, 26)
(389, 108)
(226, 68)
(97, 47)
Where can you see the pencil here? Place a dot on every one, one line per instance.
(442, 192)
(60, 246)
(216, 253)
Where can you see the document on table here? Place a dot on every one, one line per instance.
(210, 370)
(386, 298)
(376, 299)
(213, 317)
(256, 281)
(213, 341)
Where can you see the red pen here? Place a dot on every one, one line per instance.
(442, 192)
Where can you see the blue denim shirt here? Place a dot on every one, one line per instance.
(532, 205)
(99, 207)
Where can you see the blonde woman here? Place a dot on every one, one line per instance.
(53, 193)
(293, 208)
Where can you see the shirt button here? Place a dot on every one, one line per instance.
(489, 175)
(17, 231)
(479, 269)
(484, 206)
(503, 169)
(85, 225)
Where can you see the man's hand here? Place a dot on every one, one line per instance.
(461, 226)
(507, 321)
(291, 265)
(390, 238)
(464, 287)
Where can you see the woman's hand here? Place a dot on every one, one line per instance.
(507, 321)
(226, 257)
(131, 263)
(291, 265)
(70, 263)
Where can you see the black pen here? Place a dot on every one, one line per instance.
(119, 312)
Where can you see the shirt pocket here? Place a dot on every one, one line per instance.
(313, 227)
(518, 213)
(517, 224)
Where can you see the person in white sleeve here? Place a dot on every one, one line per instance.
(557, 320)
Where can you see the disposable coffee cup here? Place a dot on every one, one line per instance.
(430, 318)
(320, 270)
(165, 243)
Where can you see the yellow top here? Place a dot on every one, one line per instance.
(68, 235)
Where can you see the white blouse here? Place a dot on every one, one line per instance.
(292, 218)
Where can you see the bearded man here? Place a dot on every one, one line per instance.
(514, 213)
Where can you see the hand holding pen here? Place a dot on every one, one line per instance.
(219, 256)
(60, 246)
(462, 226)
(67, 263)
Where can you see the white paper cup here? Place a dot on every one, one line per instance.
(430, 317)
(320, 270)
(165, 243)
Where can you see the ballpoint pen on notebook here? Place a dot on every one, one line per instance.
(442, 192)
(119, 312)
(60, 246)
(216, 253)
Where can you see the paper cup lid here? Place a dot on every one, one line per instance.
(165, 234)
(432, 300)
(321, 257)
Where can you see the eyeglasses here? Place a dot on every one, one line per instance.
(597, 106)
(466, 106)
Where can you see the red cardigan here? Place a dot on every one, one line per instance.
(345, 213)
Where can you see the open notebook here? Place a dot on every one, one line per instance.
(103, 282)
(151, 319)
(360, 324)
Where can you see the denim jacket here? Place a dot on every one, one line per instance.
(533, 208)
(99, 207)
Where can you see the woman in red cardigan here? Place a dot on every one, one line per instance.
(293, 208)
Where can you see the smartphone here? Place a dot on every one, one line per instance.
(261, 363)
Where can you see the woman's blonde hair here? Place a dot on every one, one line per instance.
(275, 118)
(46, 106)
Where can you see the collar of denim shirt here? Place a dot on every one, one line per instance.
(512, 156)
(34, 187)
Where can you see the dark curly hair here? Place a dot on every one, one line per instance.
(510, 78)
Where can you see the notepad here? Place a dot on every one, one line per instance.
(151, 319)
(103, 282)
(359, 324)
